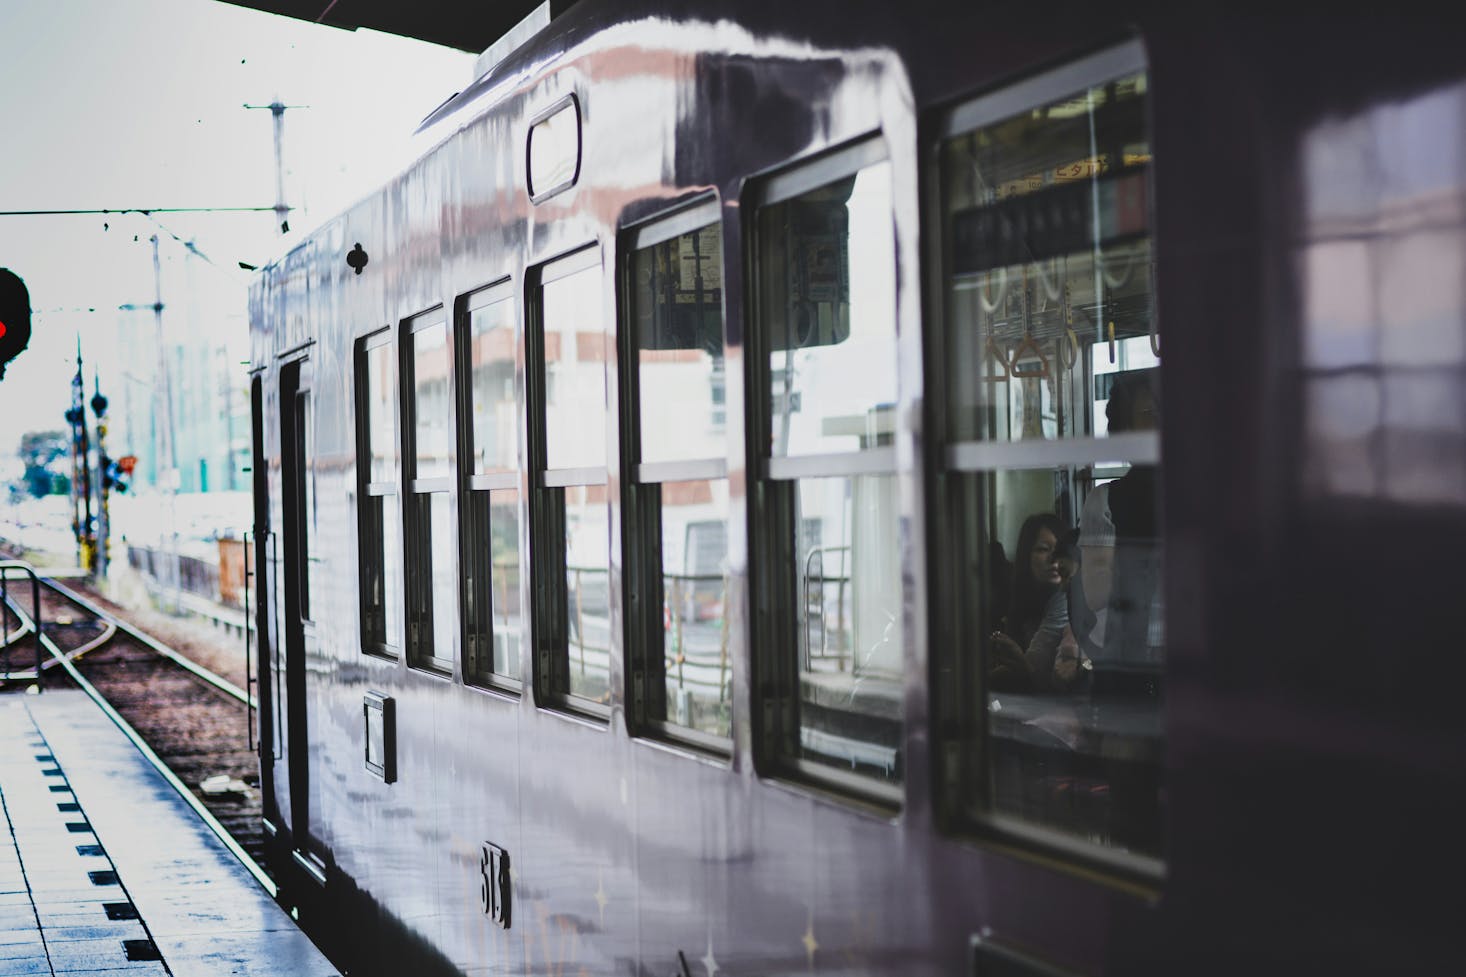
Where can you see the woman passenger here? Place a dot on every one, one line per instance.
(1036, 580)
(1036, 629)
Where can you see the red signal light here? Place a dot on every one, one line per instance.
(15, 317)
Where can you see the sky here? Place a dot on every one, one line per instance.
(113, 104)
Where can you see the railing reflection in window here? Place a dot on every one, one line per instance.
(588, 604)
(851, 648)
(694, 569)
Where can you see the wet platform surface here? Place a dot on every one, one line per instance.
(104, 868)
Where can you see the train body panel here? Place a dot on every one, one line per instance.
(638, 842)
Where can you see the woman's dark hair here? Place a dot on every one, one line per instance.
(1030, 595)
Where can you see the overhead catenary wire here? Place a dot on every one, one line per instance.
(135, 210)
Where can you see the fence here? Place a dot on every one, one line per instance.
(195, 576)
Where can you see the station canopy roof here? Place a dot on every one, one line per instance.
(468, 26)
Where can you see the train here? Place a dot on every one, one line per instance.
(862, 488)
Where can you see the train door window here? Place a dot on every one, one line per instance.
(675, 505)
(305, 440)
(826, 537)
(491, 355)
(376, 447)
(1052, 461)
(429, 536)
(570, 518)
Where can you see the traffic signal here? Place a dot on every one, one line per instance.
(15, 317)
(120, 472)
(117, 472)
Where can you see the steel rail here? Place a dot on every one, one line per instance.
(218, 681)
(267, 883)
(107, 634)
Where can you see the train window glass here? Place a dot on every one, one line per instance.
(676, 522)
(503, 516)
(677, 302)
(831, 315)
(848, 601)
(305, 438)
(391, 583)
(381, 551)
(431, 410)
(570, 520)
(554, 150)
(575, 359)
(826, 558)
(431, 565)
(381, 409)
(695, 678)
(588, 593)
(492, 354)
(1052, 361)
(491, 568)
(445, 578)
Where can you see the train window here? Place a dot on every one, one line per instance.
(570, 519)
(432, 588)
(826, 567)
(490, 354)
(675, 510)
(305, 440)
(554, 149)
(381, 552)
(1053, 459)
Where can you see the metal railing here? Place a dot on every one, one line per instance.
(683, 599)
(816, 608)
(195, 576)
(23, 626)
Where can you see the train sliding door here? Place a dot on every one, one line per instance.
(262, 586)
(299, 541)
(1052, 471)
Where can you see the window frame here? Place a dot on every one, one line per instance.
(959, 731)
(472, 484)
(417, 547)
(549, 649)
(773, 624)
(641, 527)
(385, 490)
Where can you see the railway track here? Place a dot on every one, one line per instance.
(197, 723)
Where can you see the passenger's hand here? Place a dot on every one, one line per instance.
(1005, 649)
(1066, 661)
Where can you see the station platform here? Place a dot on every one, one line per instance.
(105, 869)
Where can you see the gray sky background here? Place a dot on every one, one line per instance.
(139, 103)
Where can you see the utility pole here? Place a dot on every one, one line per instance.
(277, 111)
(170, 443)
(104, 478)
(81, 469)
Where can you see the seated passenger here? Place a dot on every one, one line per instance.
(1040, 612)
(1024, 649)
(1036, 579)
(1054, 656)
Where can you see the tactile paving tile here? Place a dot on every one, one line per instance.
(56, 896)
(177, 885)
